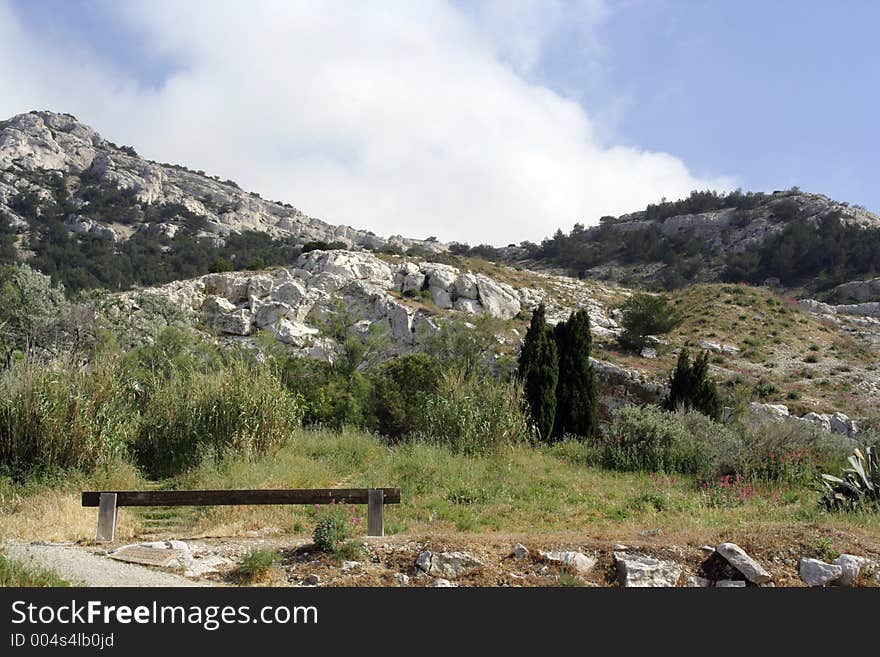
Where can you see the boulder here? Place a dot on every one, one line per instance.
(442, 297)
(815, 572)
(578, 561)
(730, 584)
(442, 277)
(447, 564)
(231, 286)
(850, 568)
(871, 309)
(639, 571)
(841, 424)
(259, 286)
(817, 307)
(466, 287)
(348, 265)
(292, 293)
(272, 312)
(224, 316)
(298, 335)
(648, 352)
(696, 582)
(737, 557)
(775, 411)
(408, 278)
(821, 420)
(469, 306)
(499, 299)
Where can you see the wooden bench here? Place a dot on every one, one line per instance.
(109, 501)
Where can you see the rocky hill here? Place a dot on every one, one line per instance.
(791, 240)
(94, 214)
(55, 168)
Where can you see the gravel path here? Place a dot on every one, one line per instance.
(81, 567)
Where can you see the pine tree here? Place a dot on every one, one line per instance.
(539, 371)
(690, 386)
(576, 387)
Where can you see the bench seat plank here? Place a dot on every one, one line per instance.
(235, 497)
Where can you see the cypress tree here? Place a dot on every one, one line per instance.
(539, 371)
(691, 387)
(576, 388)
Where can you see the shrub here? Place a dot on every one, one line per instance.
(255, 566)
(476, 413)
(576, 392)
(59, 418)
(336, 523)
(650, 439)
(788, 452)
(859, 486)
(691, 388)
(644, 315)
(190, 416)
(539, 371)
(728, 491)
(400, 389)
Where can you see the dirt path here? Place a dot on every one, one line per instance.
(82, 567)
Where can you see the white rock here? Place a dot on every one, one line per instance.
(696, 582)
(580, 562)
(737, 557)
(815, 572)
(401, 579)
(442, 297)
(298, 335)
(499, 299)
(292, 293)
(850, 568)
(770, 410)
(466, 287)
(447, 564)
(648, 352)
(730, 584)
(469, 306)
(442, 584)
(638, 571)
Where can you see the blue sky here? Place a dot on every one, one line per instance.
(476, 121)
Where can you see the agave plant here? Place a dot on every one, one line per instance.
(859, 487)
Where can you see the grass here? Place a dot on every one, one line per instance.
(16, 573)
(766, 328)
(256, 566)
(519, 489)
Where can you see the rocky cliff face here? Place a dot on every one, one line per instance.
(408, 298)
(733, 230)
(44, 142)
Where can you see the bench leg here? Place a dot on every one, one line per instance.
(376, 512)
(106, 518)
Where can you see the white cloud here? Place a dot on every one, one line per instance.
(409, 117)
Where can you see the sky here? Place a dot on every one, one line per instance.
(479, 121)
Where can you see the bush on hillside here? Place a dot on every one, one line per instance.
(653, 440)
(400, 389)
(62, 417)
(644, 315)
(188, 417)
(690, 386)
(476, 413)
